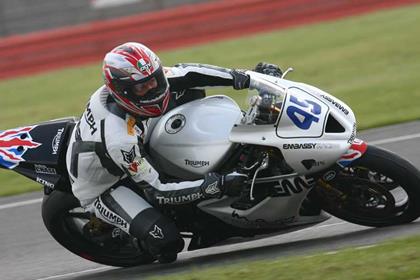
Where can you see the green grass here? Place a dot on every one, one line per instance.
(398, 259)
(371, 62)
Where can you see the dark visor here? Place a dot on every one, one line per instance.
(153, 95)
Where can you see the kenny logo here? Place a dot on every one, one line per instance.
(299, 146)
(109, 216)
(197, 163)
(56, 141)
(90, 120)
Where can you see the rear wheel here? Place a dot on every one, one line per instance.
(88, 237)
(379, 189)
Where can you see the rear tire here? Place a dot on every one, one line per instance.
(55, 214)
(363, 192)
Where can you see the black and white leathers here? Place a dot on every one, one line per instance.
(122, 139)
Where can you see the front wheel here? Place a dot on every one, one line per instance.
(379, 189)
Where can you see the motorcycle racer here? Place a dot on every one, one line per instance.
(107, 162)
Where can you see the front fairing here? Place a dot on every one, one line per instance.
(312, 129)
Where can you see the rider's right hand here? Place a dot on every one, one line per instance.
(268, 69)
(234, 183)
(216, 185)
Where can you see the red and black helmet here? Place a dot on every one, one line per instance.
(134, 76)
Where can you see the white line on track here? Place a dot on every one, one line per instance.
(395, 139)
(75, 273)
(20, 203)
(58, 276)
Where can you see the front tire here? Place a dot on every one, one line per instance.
(64, 222)
(379, 189)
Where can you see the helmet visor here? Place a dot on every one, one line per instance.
(149, 91)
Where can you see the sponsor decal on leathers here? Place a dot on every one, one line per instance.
(90, 120)
(130, 156)
(197, 163)
(56, 141)
(299, 146)
(131, 123)
(139, 165)
(179, 199)
(109, 216)
(157, 233)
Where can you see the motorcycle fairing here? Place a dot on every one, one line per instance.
(303, 115)
(356, 151)
(14, 143)
(273, 212)
(38, 151)
(313, 129)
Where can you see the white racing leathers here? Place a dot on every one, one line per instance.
(105, 149)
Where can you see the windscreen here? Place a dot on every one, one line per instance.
(265, 101)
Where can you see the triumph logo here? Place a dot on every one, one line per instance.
(90, 120)
(56, 141)
(197, 163)
(179, 199)
(110, 216)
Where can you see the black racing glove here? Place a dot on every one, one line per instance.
(268, 69)
(240, 79)
(216, 185)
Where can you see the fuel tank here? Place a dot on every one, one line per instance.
(193, 139)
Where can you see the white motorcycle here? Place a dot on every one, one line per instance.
(297, 143)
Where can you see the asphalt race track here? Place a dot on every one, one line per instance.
(28, 252)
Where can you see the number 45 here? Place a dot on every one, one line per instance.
(300, 117)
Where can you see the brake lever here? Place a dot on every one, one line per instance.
(264, 164)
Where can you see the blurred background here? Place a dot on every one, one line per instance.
(25, 16)
(364, 52)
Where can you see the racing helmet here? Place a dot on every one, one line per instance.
(135, 78)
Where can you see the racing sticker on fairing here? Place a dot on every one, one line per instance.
(304, 115)
(356, 150)
(13, 145)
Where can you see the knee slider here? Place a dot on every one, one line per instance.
(158, 232)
